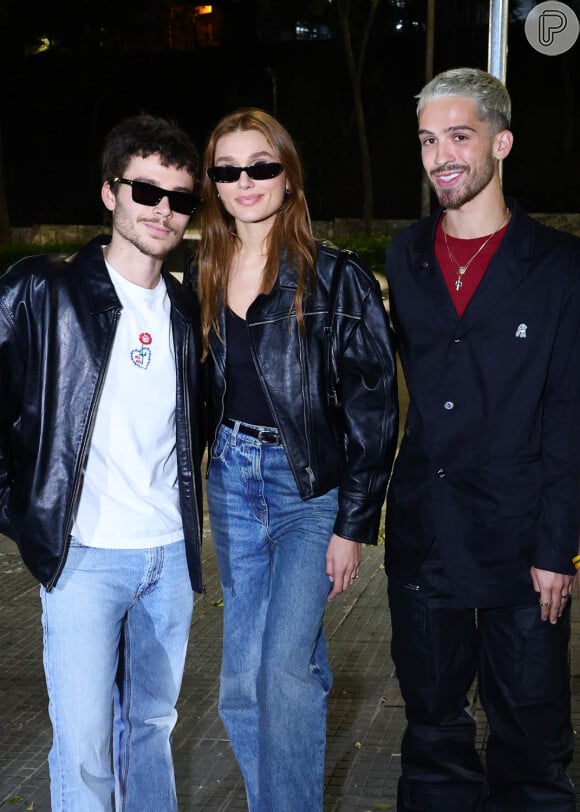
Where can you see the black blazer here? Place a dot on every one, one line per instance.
(490, 459)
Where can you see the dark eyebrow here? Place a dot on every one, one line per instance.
(454, 128)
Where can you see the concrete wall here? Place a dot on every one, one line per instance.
(342, 228)
(323, 229)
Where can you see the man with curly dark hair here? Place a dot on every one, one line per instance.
(99, 473)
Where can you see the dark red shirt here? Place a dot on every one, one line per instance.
(462, 250)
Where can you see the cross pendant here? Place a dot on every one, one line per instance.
(458, 284)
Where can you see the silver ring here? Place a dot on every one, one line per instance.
(545, 603)
(565, 597)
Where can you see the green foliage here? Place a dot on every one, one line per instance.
(371, 249)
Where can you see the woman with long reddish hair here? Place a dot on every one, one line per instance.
(295, 484)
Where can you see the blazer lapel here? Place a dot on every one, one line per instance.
(427, 273)
(507, 268)
(504, 273)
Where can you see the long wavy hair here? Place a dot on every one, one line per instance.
(291, 231)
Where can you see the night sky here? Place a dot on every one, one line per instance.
(72, 70)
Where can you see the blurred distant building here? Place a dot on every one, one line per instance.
(193, 26)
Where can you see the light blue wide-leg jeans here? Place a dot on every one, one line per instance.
(271, 554)
(115, 628)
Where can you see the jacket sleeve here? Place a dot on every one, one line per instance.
(557, 540)
(7, 381)
(370, 418)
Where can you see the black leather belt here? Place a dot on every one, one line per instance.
(263, 435)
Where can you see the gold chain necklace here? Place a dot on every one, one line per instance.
(462, 269)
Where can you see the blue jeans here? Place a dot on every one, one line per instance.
(271, 554)
(115, 627)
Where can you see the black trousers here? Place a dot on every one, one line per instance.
(521, 664)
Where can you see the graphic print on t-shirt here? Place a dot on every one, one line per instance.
(141, 357)
(130, 493)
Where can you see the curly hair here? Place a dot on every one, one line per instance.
(144, 135)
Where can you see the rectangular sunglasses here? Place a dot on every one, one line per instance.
(229, 174)
(146, 194)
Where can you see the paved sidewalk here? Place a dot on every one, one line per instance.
(366, 715)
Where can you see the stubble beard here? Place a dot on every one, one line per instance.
(124, 225)
(476, 181)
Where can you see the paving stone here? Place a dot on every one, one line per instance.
(366, 713)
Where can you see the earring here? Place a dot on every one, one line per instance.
(287, 191)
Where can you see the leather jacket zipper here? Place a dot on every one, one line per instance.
(82, 457)
(307, 421)
(271, 406)
(222, 405)
(187, 409)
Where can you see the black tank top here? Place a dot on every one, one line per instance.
(245, 399)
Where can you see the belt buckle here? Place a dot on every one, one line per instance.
(269, 437)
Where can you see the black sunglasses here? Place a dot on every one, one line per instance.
(229, 174)
(146, 194)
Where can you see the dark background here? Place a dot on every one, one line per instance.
(70, 71)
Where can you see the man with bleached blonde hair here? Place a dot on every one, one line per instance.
(483, 509)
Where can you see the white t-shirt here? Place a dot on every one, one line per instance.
(129, 497)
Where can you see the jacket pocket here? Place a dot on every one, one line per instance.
(218, 449)
(510, 488)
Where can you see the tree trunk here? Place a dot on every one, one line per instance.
(355, 72)
(5, 231)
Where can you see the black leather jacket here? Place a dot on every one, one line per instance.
(354, 448)
(57, 323)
